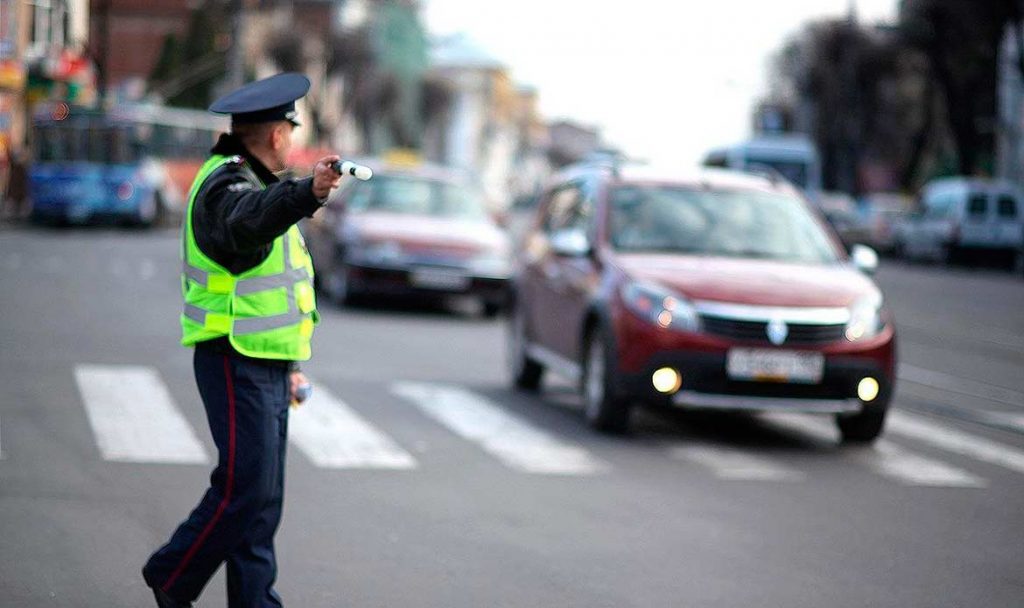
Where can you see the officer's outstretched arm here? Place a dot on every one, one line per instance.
(244, 218)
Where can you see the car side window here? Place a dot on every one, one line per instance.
(977, 204)
(939, 206)
(1007, 206)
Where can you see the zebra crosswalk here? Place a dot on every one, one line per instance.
(133, 418)
(333, 436)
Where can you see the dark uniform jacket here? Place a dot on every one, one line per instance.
(235, 222)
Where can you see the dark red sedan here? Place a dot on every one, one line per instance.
(717, 290)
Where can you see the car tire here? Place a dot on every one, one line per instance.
(604, 408)
(526, 374)
(490, 310)
(952, 255)
(861, 428)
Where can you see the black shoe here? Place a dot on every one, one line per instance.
(165, 601)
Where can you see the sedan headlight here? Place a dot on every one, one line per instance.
(660, 306)
(865, 318)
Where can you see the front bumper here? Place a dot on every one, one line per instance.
(706, 401)
(706, 385)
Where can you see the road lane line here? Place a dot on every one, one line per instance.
(960, 386)
(133, 416)
(515, 442)
(735, 464)
(958, 442)
(886, 458)
(333, 436)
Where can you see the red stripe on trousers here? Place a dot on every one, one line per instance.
(228, 485)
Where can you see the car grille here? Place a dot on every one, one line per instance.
(757, 331)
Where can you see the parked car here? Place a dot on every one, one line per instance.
(840, 211)
(411, 231)
(962, 216)
(881, 212)
(717, 290)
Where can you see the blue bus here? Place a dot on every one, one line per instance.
(118, 165)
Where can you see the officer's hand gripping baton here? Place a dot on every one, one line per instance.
(344, 167)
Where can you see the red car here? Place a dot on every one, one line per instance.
(719, 290)
(412, 231)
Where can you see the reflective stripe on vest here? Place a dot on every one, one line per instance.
(253, 325)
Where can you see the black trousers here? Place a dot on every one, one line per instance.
(247, 408)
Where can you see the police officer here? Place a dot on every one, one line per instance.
(249, 312)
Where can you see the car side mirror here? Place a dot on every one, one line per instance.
(570, 243)
(864, 258)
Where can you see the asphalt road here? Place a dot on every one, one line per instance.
(417, 478)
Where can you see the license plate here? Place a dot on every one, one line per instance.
(764, 365)
(432, 278)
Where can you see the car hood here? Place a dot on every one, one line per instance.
(756, 282)
(417, 232)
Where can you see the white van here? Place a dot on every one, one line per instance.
(960, 215)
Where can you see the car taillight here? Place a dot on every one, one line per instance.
(125, 191)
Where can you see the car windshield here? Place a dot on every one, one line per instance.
(416, 196)
(716, 223)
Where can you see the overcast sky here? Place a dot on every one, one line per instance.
(665, 79)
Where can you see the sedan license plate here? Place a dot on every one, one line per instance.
(763, 365)
(439, 278)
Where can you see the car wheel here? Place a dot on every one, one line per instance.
(864, 427)
(337, 285)
(604, 408)
(526, 373)
(952, 255)
(491, 310)
(898, 250)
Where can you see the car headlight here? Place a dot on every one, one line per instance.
(491, 265)
(660, 306)
(865, 318)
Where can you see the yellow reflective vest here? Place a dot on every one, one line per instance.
(268, 311)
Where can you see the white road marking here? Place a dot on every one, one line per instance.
(960, 386)
(887, 458)
(133, 416)
(1015, 421)
(958, 442)
(735, 463)
(333, 436)
(515, 442)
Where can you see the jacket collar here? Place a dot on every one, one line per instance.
(230, 145)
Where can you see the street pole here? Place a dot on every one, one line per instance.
(236, 55)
